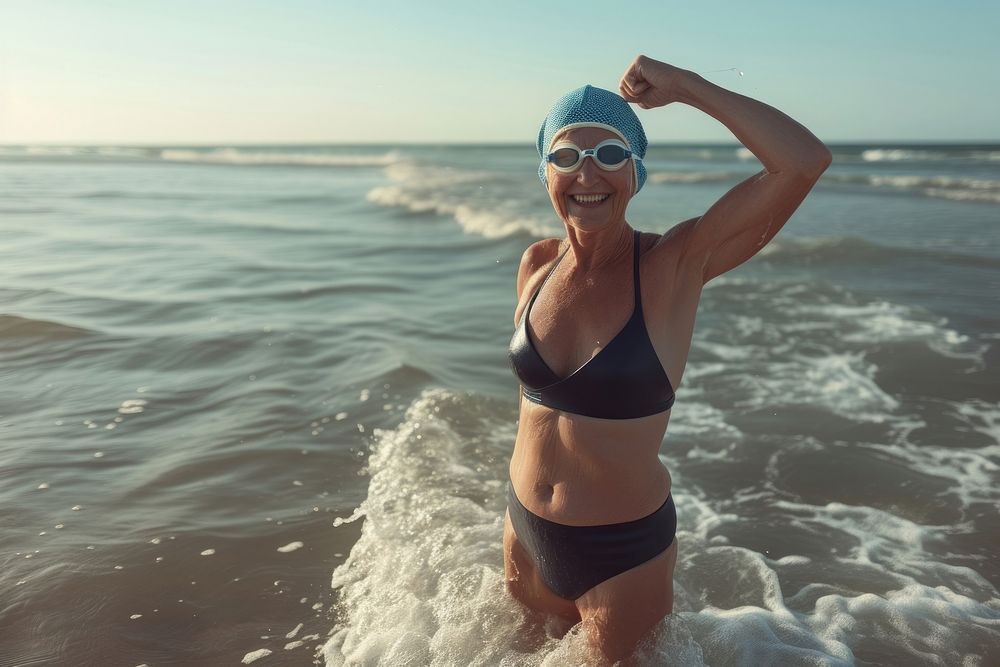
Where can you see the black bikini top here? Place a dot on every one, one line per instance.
(624, 380)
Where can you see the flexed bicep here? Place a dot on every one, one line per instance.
(745, 219)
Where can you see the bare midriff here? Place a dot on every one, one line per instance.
(584, 471)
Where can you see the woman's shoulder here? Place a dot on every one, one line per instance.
(541, 252)
(535, 258)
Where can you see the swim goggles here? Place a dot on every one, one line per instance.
(610, 155)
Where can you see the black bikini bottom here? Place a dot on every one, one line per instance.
(574, 559)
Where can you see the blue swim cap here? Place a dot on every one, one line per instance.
(594, 107)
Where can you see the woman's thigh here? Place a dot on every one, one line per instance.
(525, 583)
(619, 611)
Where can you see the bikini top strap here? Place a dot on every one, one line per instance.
(534, 296)
(635, 272)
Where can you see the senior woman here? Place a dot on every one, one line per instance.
(603, 326)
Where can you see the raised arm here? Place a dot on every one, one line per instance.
(747, 217)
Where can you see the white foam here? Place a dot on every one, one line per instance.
(896, 155)
(728, 352)
(424, 583)
(701, 421)
(881, 321)
(408, 600)
(947, 187)
(446, 191)
(815, 351)
(895, 181)
(253, 656)
(471, 219)
(974, 472)
(428, 176)
(964, 195)
(947, 182)
(842, 383)
(357, 514)
(742, 616)
(938, 626)
(982, 417)
(132, 406)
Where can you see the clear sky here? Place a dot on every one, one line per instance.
(256, 71)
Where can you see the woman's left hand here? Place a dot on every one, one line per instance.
(650, 83)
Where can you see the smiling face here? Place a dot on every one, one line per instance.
(590, 197)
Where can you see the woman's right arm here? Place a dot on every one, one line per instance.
(747, 217)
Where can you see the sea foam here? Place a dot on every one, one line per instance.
(492, 210)
(424, 583)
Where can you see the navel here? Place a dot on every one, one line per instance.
(544, 491)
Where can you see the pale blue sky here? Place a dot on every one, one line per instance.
(227, 71)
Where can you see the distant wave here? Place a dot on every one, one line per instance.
(948, 187)
(428, 189)
(964, 195)
(853, 249)
(696, 176)
(911, 181)
(897, 155)
(82, 153)
(126, 194)
(474, 220)
(319, 156)
(292, 158)
(941, 153)
(429, 175)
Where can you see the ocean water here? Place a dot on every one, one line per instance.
(256, 399)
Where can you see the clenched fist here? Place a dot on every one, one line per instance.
(650, 83)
